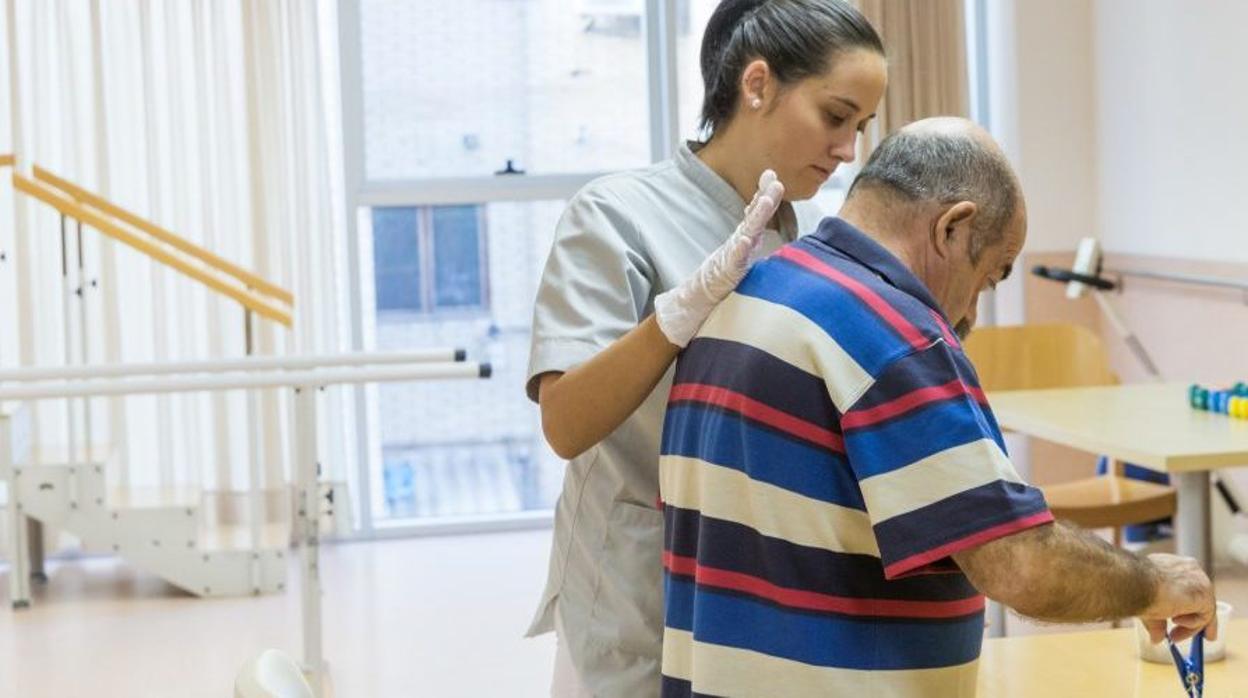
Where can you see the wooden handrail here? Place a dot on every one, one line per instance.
(250, 300)
(164, 235)
(7, 160)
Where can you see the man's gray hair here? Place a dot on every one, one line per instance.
(937, 166)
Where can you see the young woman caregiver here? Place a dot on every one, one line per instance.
(639, 260)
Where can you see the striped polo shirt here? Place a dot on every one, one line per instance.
(827, 447)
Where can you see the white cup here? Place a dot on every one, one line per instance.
(1160, 652)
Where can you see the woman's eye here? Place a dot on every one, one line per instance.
(835, 121)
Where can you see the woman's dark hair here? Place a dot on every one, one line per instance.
(797, 38)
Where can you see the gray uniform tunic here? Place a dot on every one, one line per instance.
(622, 240)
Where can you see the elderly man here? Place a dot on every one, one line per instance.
(835, 488)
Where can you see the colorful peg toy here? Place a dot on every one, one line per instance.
(1232, 402)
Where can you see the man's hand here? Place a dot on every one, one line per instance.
(681, 311)
(1185, 596)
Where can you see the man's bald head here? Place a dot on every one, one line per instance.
(944, 160)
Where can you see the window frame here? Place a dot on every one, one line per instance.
(659, 33)
(660, 26)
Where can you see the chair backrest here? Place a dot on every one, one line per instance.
(1028, 357)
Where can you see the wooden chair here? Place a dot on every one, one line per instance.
(1028, 357)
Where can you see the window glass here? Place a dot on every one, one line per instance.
(457, 257)
(456, 89)
(396, 258)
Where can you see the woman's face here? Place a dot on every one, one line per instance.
(807, 130)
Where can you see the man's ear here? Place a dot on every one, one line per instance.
(952, 230)
(755, 83)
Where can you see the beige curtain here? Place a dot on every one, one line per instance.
(208, 117)
(926, 45)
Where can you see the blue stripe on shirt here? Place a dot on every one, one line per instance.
(851, 324)
(951, 519)
(727, 545)
(759, 375)
(725, 438)
(918, 434)
(931, 367)
(829, 641)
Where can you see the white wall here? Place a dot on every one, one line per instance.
(1171, 106)
(1041, 81)
(1125, 121)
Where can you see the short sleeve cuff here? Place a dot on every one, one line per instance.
(938, 559)
(560, 355)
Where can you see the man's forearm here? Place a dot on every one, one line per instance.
(1061, 574)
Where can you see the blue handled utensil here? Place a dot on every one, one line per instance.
(1191, 670)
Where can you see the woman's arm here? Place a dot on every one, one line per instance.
(584, 405)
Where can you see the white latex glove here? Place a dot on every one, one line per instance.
(681, 311)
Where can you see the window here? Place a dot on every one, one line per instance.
(429, 259)
(467, 126)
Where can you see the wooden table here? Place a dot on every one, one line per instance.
(1101, 663)
(1149, 425)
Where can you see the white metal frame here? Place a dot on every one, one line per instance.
(260, 363)
(661, 28)
(450, 191)
(350, 67)
(976, 13)
(307, 383)
(241, 380)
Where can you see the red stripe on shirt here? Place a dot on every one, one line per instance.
(860, 418)
(757, 411)
(815, 601)
(888, 313)
(978, 393)
(944, 330)
(901, 567)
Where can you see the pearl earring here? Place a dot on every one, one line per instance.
(756, 103)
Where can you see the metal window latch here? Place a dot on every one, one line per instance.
(510, 169)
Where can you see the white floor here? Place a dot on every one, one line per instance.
(414, 617)
(440, 617)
